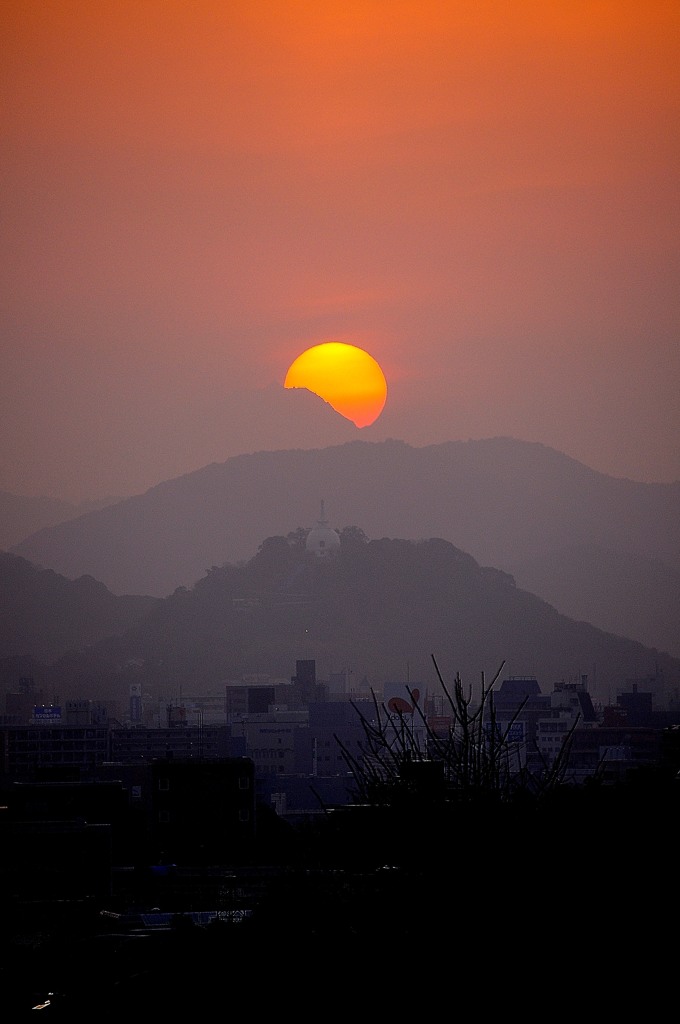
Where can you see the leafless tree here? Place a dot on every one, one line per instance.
(476, 760)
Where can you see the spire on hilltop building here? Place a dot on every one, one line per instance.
(322, 540)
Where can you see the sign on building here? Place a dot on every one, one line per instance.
(46, 713)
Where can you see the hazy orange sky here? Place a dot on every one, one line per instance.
(483, 195)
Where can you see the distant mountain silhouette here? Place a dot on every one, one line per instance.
(377, 609)
(269, 419)
(44, 615)
(21, 516)
(622, 592)
(507, 503)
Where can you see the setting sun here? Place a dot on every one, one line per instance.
(346, 377)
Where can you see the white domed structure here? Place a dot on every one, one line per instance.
(322, 540)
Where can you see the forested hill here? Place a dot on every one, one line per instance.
(379, 609)
(517, 506)
(44, 615)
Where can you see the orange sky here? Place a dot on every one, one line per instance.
(482, 195)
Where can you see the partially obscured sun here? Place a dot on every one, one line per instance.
(344, 376)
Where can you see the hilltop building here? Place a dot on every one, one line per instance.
(322, 540)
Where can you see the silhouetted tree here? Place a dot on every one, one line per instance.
(298, 538)
(352, 535)
(476, 759)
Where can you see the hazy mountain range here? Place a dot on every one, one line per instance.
(600, 549)
(379, 610)
(45, 615)
(22, 516)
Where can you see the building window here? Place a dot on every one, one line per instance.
(164, 785)
(243, 782)
(164, 817)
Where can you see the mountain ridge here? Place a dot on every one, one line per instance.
(508, 503)
(45, 615)
(379, 609)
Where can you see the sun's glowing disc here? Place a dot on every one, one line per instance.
(346, 377)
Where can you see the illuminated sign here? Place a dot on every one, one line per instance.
(47, 713)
